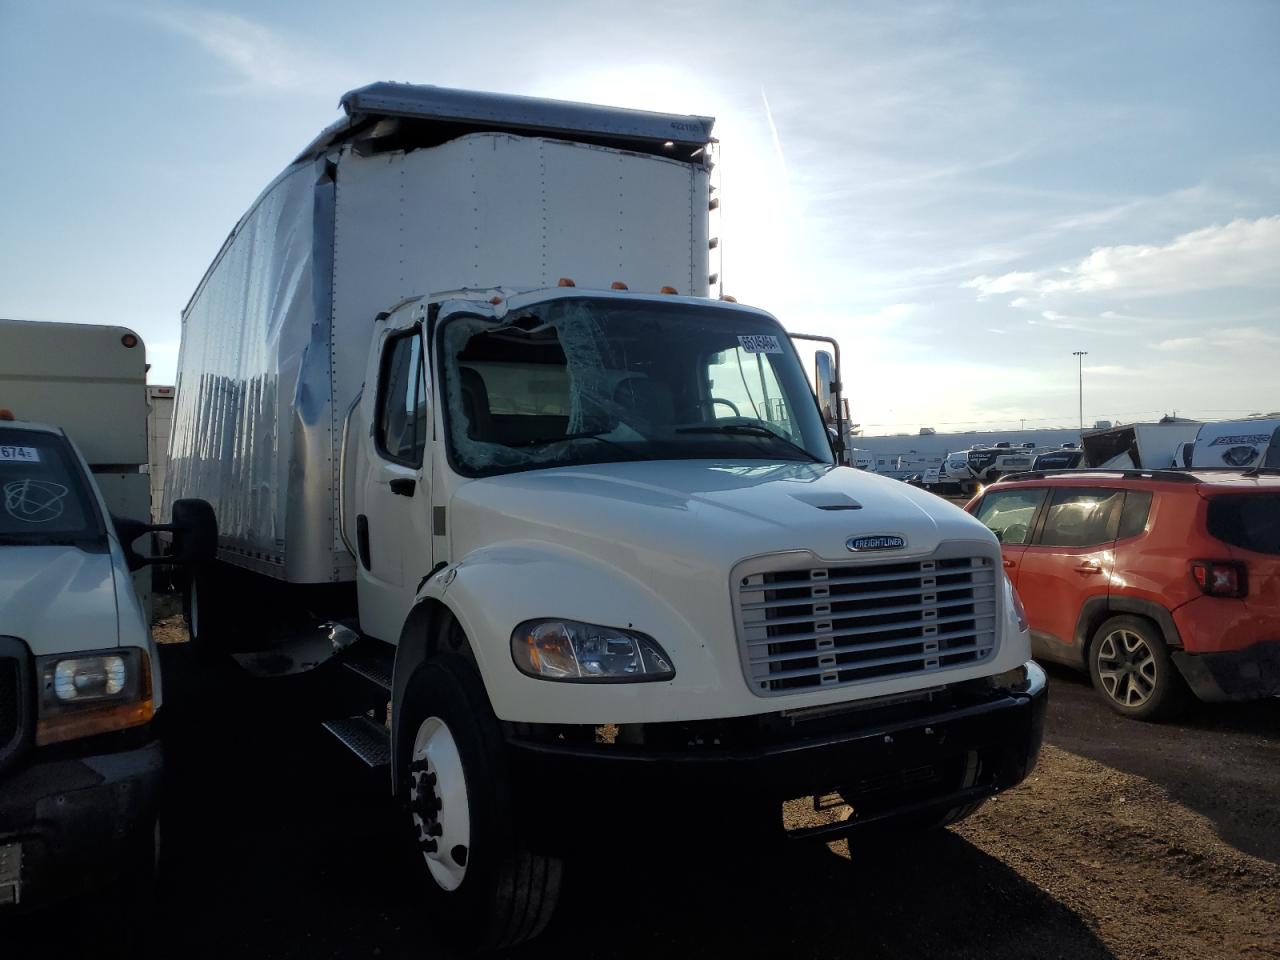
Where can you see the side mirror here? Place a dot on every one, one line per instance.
(195, 532)
(823, 380)
(194, 529)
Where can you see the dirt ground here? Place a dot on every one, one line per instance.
(1128, 841)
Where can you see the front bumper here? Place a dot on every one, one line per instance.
(886, 761)
(1248, 674)
(69, 824)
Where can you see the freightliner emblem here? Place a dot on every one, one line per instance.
(863, 544)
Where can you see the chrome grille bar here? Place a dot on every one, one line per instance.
(813, 627)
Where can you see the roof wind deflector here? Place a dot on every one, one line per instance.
(678, 135)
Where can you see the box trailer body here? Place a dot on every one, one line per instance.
(159, 425)
(340, 237)
(1143, 446)
(462, 354)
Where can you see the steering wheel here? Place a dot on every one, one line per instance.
(728, 403)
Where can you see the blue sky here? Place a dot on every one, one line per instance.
(962, 193)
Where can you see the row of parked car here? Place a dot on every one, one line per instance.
(1161, 584)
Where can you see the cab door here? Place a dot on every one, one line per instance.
(393, 496)
(1070, 560)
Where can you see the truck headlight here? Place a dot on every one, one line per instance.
(83, 694)
(584, 653)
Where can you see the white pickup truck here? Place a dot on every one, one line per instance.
(456, 391)
(80, 689)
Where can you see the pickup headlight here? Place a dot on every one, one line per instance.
(83, 694)
(585, 653)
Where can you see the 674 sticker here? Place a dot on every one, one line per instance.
(760, 343)
(19, 455)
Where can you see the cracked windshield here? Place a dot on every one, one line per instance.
(591, 381)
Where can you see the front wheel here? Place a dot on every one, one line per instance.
(485, 889)
(1130, 666)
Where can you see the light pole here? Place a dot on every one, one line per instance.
(1080, 355)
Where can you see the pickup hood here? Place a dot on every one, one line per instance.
(58, 599)
(702, 515)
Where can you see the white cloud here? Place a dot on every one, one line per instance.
(1242, 253)
(258, 56)
(1179, 343)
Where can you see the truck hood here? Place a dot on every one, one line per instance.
(58, 599)
(700, 514)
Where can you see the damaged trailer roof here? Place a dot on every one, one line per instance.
(454, 111)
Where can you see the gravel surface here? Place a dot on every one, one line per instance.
(1128, 841)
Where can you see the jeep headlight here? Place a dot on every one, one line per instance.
(83, 694)
(585, 653)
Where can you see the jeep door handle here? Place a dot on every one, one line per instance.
(1009, 564)
(403, 486)
(1089, 566)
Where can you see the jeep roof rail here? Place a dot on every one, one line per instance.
(1178, 476)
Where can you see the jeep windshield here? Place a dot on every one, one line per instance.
(44, 497)
(583, 380)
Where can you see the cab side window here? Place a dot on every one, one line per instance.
(1081, 518)
(1010, 513)
(402, 401)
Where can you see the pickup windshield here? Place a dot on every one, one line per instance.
(600, 380)
(43, 494)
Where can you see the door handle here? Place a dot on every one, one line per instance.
(1009, 564)
(403, 486)
(1089, 566)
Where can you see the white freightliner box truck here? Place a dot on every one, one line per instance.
(441, 391)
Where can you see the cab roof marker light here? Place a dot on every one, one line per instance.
(728, 298)
(670, 290)
(566, 282)
(6, 414)
(495, 300)
(618, 285)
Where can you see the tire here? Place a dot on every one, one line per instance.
(1130, 667)
(484, 889)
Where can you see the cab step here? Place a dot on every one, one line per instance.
(369, 740)
(371, 660)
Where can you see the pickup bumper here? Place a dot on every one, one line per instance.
(1248, 674)
(900, 762)
(70, 824)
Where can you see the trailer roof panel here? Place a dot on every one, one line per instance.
(516, 114)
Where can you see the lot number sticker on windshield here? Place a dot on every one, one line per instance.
(19, 455)
(760, 343)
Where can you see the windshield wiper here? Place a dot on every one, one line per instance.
(752, 430)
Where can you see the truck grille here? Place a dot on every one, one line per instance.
(816, 627)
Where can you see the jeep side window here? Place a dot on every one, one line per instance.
(402, 405)
(1010, 513)
(1133, 518)
(1081, 517)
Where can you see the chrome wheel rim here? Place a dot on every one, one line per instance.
(438, 802)
(1126, 668)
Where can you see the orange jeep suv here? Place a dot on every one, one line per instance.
(1158, 582)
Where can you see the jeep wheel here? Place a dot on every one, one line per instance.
(484, 889)
(1130, 666)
